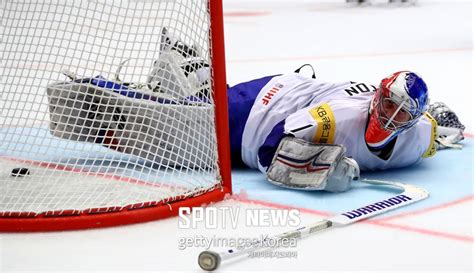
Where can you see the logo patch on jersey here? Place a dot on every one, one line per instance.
(324, 118)
(269, 95)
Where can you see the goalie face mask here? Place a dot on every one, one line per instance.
(397, 105)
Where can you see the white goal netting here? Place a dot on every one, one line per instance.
(104, 105)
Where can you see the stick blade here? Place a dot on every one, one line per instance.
(410, 194)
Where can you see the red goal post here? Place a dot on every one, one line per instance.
(74, 180)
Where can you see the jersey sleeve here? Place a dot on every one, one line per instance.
(314, 123)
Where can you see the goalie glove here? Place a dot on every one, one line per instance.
(450, 129)
(299, 164)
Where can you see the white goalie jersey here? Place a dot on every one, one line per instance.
(321, 112)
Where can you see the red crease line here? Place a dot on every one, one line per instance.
(423, 231)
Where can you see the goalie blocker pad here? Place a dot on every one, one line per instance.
(298, 164)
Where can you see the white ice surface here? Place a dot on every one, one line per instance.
(342, 43)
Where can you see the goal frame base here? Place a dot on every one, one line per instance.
(108, 219)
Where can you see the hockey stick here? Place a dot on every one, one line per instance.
(210, 260)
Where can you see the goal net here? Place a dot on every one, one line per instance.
(111, 112)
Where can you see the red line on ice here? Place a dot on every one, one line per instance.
(245, 13)
(355, 55)
(424, 231)
(381, 222)
(426, 210)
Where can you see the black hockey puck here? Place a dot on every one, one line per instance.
(20, 172)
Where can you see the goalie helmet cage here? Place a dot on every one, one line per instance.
(67, 161)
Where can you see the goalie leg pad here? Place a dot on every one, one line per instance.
(179, 76)
(171, 78)
(163, 133)
(299, 164)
